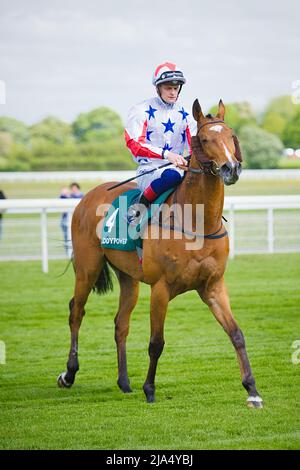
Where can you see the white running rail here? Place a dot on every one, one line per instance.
(30, 228)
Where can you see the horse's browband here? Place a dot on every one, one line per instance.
(210, 122)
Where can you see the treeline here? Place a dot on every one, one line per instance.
(94, 141)
(263, 137)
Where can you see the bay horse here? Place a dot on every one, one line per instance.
(167, 266)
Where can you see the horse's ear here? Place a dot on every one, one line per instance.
(221, 111)
(238, 153)
(197, 111)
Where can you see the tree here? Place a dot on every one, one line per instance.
(17, 129)
(237, 115)
(97, 125)
(260, 149)
(278, 113)
(273, 122)
(291, 133)
(94, 141)
(283, 106)
(6, 142)
(52, 130)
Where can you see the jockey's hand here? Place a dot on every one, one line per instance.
(177, 160)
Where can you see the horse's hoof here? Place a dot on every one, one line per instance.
(150, 393)
(61, 381)
(150, 398)
(255, 402)
(125, 387)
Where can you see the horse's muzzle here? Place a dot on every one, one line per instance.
(230, 172)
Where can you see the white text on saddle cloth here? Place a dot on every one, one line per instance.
(166, 222)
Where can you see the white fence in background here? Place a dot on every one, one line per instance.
(256, 224)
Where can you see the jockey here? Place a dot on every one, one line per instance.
(159, 130)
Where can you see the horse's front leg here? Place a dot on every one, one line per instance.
(217, 299)
(159, 304)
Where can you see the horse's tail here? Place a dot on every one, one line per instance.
(104, 282)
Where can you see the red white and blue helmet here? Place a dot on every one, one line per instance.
(168, 72)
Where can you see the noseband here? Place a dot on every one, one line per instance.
(212, 169)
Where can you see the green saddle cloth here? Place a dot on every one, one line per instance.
(117, 233)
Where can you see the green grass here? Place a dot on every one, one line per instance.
(243, 187)
(288, 164)
(263, 187)
(200, 400)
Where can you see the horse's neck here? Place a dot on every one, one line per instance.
(207, 190)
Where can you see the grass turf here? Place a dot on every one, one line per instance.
(36, 189)
(200, 400)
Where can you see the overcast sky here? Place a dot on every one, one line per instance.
(65, 57)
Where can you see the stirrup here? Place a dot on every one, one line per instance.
(134, 214)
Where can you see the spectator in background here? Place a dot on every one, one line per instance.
(73, 192)
(2, 196)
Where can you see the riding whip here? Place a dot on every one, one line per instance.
(143, 174)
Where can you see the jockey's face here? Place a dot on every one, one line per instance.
(168, 93)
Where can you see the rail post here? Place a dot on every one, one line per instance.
(270, 230)
(44, 241)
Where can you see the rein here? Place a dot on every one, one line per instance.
(209, 167)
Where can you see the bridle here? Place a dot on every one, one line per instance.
(209, 167)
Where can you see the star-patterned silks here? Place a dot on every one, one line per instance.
(168, 126)
(148, 133)
(167, 147)
(184, 113)
(151, 112)
(151, 124)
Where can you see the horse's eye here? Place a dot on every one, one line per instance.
(204, 141)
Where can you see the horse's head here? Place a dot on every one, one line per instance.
(215, 146)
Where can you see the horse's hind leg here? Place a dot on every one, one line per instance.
(216, 297)
(129, 289)
(88, 266)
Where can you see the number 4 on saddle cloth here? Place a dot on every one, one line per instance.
(118, 233)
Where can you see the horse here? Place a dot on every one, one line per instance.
(167, 266)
